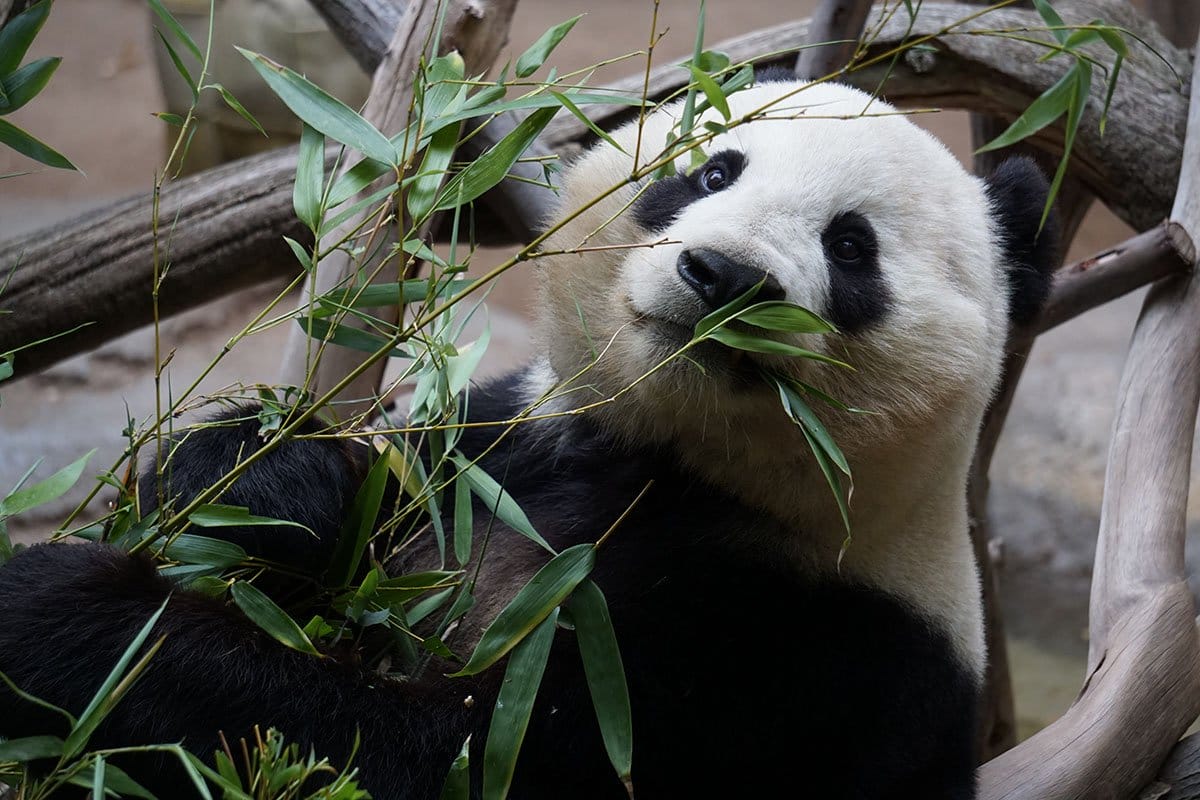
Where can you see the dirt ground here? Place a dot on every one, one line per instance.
(1047, 477)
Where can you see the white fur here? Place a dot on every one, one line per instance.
(927, 370)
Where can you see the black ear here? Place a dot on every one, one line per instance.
(1017, 191)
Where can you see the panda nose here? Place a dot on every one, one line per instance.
(718, 280)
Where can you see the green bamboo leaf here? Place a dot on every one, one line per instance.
(114, 687)
(263, 612)
(31, 747)
(802, 414)
(1052, 19)
(46, 490)
(712, 92)
(539, 51)
(1080, 37)
(496, 499)
(369, 201)
(27, 145)
(359, 525)
(301, 254)
(605, 673)
(188, 548)
(170, 119)
(758, 344)
(738, 81)
(435, 165)
(322, 111)
(514, 706)
(23, 85)
(180, 67)
(1108, 95)
(464, 521)
(461, 367)
(577, 112)
(379, 295)
(18, 34)
(355, 179)
(444, 92)
(710, 61)
(347, 336)
(217, 515)
(237, 107)
(780, 316)
(725, 313)
(1048, 107)
(6, 367)
(1114, 39)
(536, 599)
(310, 178)
(1081, 90)
(458, 779)
(493, 165)
(542, 100)
(175, 28)
(112, 778)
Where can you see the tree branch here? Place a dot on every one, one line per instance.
(838, 24)
(1143, 685)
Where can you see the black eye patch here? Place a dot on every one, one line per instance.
(858, 294)
(665, 200)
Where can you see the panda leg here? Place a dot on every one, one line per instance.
(67, 613)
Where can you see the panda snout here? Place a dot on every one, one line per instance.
(718, 279)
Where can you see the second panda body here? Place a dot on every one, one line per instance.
(763, 656)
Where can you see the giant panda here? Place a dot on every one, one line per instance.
(764, 656)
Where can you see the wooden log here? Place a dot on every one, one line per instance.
(838, 24)
(1143, 681)
(1179, 778)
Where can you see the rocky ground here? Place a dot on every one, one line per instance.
(1048, 471)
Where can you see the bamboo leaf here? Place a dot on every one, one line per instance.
(347, 336)
(493, 165)
(458, 779)
(712, 92)
(359, 526)
(237, 107)
(536, 599)
(216, 515)
(322, 111)
(496, 499)
(605, 673)
(1052, 19)
(757, 344)
(378, 295)
(29, 146)
(802, 414)
(463, 521)
(114, 687)
(514, 706)
(577, 112)
(189, 548)
(263, 612)
(112, 778)
(1081, 90)
(175, 28)
(23, 85)
(18, 34)
(423, 191)
(180, 67)
(780, 316)
(46, 490)
(310, 178)
(1048, 107)
(533, 58)
(31, 747)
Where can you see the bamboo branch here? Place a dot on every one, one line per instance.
(476, 29)
(1143, 684)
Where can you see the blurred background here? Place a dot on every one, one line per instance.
(1048, 471)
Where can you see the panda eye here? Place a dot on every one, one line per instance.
(847, 249)
(713, 178)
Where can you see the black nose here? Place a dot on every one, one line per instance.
(718, 280)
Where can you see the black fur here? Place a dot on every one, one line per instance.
(858, 293)
(774, 74)
(311, 482)
(666, 199)
(746, 679)
(1017, 191)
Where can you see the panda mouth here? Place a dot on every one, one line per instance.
(711, 357)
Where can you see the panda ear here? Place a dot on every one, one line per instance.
(1017, 191)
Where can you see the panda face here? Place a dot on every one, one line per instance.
(833, 202)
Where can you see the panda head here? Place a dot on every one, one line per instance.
(830, 200)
